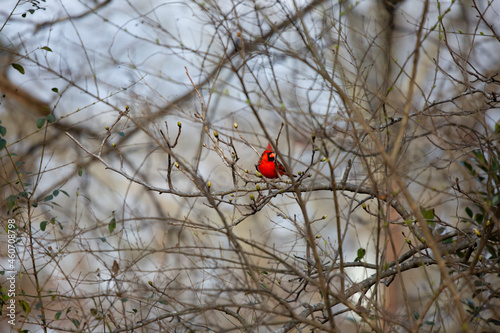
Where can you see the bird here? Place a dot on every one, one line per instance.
(268, 166)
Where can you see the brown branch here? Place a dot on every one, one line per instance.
(453, 247)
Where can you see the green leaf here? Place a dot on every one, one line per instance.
(80, 171)
(3, 131)
(428, 214)
(51, 118)
(361, 254)
(43, 225)
(65, 193)
(121, 134)
(469, 167)
(470, 303)
(494, 321)
(40, 122)
(3, 143)
(112, 225)
(76, 322)
(495, 200)
(492, 251)
(19, 68)
(48, 198)
(46, 48)
(25, 306)
(57, 315)
(480, 158)
(55, 193)
(103, 239)
(469, 212)
(11, 201)
(55, 90)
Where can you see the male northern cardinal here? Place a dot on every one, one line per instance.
(268, 166)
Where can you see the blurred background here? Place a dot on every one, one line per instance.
(131, 131)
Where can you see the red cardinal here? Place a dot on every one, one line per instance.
(268, 166)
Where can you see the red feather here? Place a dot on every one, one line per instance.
(268, 166)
